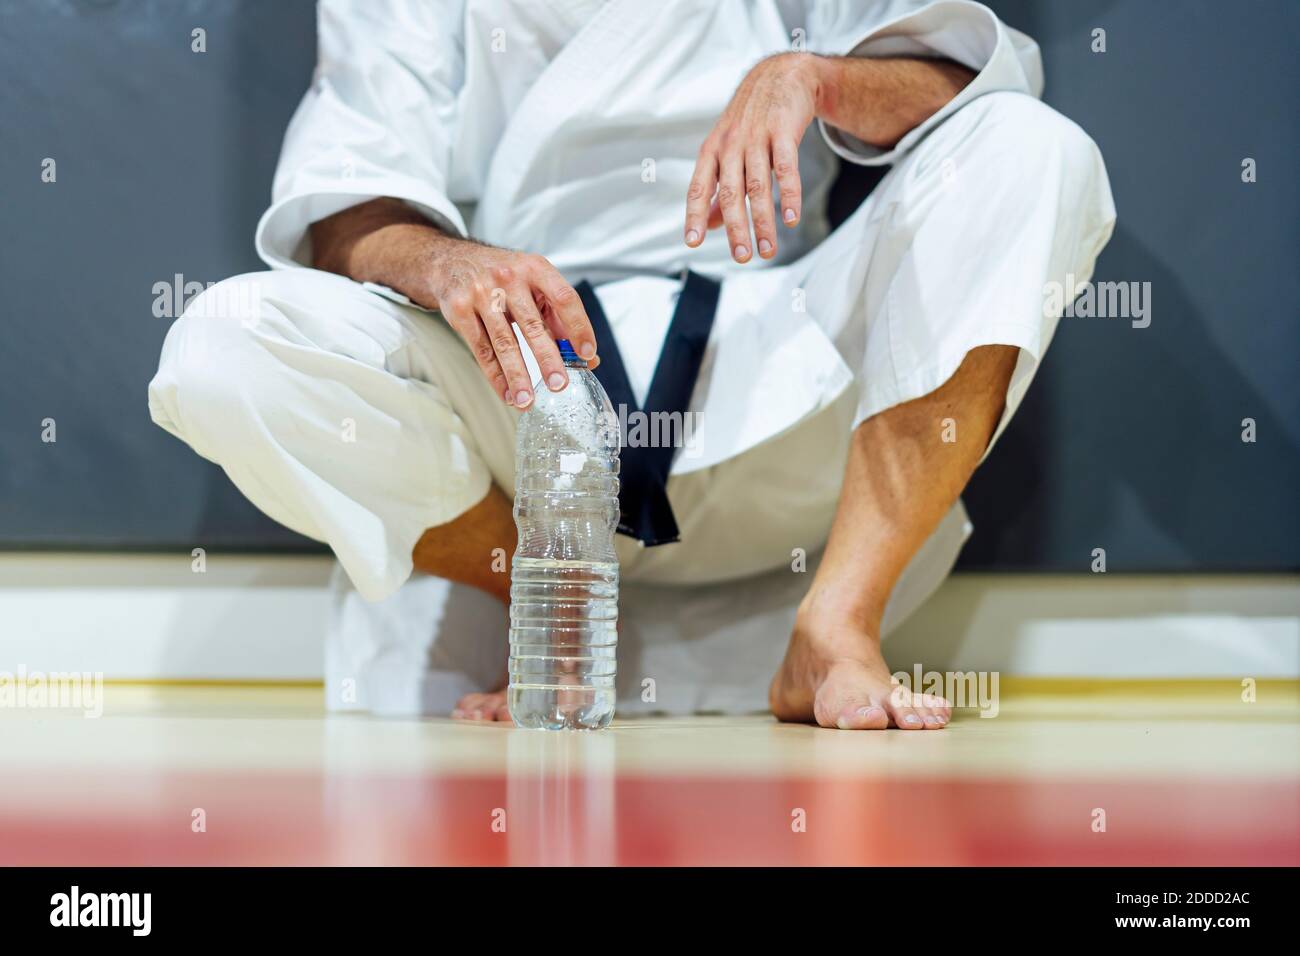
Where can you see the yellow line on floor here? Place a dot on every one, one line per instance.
(1009, 683)
(207, 682)
(1174, 686)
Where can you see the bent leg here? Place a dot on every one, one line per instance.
(475, 548)
(348, 418)
(948, 318)
(902, 476)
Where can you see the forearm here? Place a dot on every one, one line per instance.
(880, 100)
(383, 241)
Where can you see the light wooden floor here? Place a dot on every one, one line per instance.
(1179, 773)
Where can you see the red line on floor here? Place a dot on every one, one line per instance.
(282, 818)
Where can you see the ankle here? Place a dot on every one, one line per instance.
(829, 622)
(854, 604)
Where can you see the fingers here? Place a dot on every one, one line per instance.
(491, 307)
(461, 315)
(549, 316)
(487, 293)
(524, 312)
(758, 187)
(567, 304)
(756, 137)
(731, 199)
(785, 164)
(699, 195)
(739, 175)
(715, 215)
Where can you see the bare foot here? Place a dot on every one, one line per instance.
(833, 674)
(482, 707)
(485, 707)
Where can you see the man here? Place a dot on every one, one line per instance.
(469, 182)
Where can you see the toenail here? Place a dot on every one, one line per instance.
(911, 719)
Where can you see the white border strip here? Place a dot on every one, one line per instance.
(1108, 626)
(151, 617)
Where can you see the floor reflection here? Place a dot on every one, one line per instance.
(561, 804)
(560, 807)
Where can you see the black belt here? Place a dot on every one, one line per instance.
(644, 510)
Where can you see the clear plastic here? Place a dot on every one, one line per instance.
(564, 579)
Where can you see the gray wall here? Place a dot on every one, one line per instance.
(1129, 440)
(164, 162)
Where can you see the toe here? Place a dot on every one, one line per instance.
(474, 707)
(844, 701)
(938, 706)
(929, 718)
(906, 717)
(862, 717)
(906, 709)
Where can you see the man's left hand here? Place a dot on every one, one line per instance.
(757, 137)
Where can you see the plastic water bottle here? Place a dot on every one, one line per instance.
(564, 579)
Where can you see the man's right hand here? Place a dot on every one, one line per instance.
(481, 291)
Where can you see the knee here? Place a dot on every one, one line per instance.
(207, 369)
(1026, 145)
(1009, 168)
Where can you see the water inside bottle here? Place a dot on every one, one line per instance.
(563, 639)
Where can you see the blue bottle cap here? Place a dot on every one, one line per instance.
(566, 350)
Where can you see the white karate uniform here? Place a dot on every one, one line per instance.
(571, 130)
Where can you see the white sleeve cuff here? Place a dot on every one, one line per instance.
(284, 241)
(965, 32)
